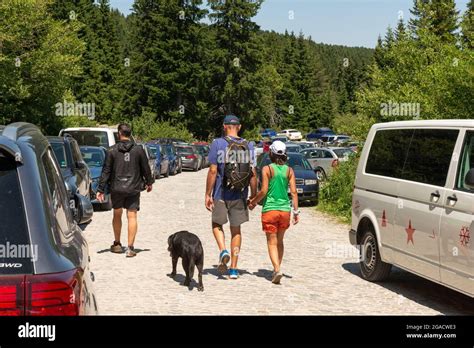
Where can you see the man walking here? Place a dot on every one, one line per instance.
(127, 172)
(230, 173)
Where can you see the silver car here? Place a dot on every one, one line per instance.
(413, 202)
(324, 160)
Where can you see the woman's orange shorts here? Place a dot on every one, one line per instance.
(275, 220)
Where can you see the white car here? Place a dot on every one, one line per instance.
(291, 134)
(93, 136)
(413, 202)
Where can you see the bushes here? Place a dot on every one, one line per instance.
(336, 193)
(147, 127)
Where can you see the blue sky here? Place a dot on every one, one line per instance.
(344, 22)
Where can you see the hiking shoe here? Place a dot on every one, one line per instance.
(131, 252)
(233, 273)
(224, 258)
(116, 248)
(276, 277)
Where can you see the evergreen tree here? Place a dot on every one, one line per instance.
(467, 26)
(401, 30)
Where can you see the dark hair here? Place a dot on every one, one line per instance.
(278, 159)
(125, 130)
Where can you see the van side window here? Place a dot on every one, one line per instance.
(466, 161)
(388, 152)
(429, 156)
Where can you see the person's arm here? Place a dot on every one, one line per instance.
(294, 195)
(263, 190)
(211, 176)
(253, 184)
(106, 171)
(145, 170)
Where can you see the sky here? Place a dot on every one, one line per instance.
(341, 22)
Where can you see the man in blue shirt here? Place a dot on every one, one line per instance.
(226, 204)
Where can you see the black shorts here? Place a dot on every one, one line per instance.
(126, 201)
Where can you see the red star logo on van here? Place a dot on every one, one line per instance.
(384, 219)
(464, 236)
(410, 232)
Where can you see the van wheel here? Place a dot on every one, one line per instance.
(371, 265)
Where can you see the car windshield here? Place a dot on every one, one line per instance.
(13, 227)
(294, 161)
(153, 149)
(90, 138)
(93, 157)
(60, 153)
(293, 149)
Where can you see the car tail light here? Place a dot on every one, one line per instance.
(191, 157)
(11, 295)
(335, 163)
(54, 294)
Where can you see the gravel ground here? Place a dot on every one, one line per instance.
(320, 267)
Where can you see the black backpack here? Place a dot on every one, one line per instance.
(237, 165)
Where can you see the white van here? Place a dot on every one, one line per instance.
(93, 136)
(413, 202)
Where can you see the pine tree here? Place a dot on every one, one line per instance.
(439, 17)
(467, 26)
(401, 30)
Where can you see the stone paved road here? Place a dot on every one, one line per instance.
(320, 267)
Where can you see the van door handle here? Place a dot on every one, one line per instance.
(452, 200)
(435, 196)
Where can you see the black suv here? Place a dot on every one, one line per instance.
(45, 267)
(74, 170)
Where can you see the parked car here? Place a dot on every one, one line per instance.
(291, 134)
(322, 160)
(340, 139)
(173, 158)
(93, 136)
(268, 133)
(74, 170)
(281, 138)
(342, 153)
(189, 157)
(413, 202)
(293, 148)
(162, 165)
(95, 158)
(203, 150)
(150, 155)
(50, 274)
(319, 133)
(307, 184)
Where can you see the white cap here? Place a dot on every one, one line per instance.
(278, 147)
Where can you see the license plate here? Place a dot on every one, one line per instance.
(299, 190)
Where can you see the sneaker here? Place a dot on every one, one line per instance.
(276, 277)
(116, 248)
(233, 273)
(131, 252)
(224, 258)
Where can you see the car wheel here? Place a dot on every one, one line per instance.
(180, 168)
(320, 174)
(167, 174)
(371, 265)
(196, 167)
(175, 171)
(158, 173)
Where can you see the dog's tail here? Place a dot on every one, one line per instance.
(192, 263)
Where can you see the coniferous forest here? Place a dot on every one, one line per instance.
(177, 66)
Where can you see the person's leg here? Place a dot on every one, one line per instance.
(219, 235)
(132, 226)
(272, 244)
(235, 245)
(117, 224)
(281, 246)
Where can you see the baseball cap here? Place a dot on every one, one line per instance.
(278, 147)
(231, 119)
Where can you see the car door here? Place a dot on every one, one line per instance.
(420, 195)
(311, 156)
(457, 221)
(326, 160)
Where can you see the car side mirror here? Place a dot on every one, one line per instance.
(153, 156)
(84, 210)
(469, 179)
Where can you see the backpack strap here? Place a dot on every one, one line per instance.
(271, 171)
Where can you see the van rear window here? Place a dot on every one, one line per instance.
(15, 251)
(90, 138)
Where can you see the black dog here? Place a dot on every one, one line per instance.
(187, 246)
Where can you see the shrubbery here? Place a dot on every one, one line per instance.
(147, 128)
(335, 195)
